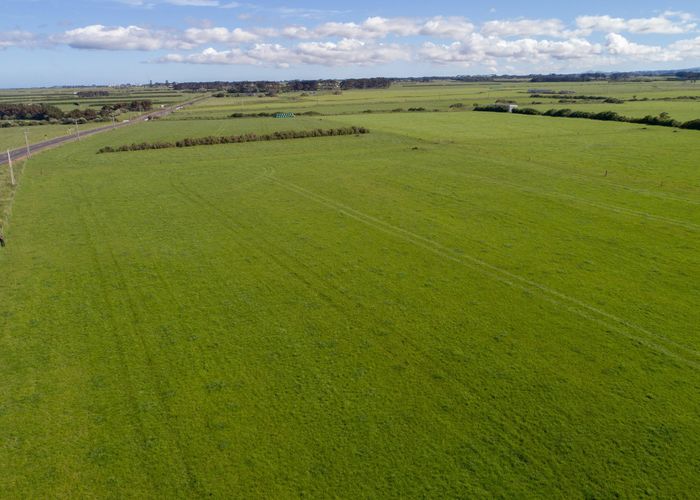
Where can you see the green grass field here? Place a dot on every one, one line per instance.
(456, 305)
(13, 137)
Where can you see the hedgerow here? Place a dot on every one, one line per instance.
(692, 125)
(265, 114)
(231, 139)
(663, 120)
(493, 108)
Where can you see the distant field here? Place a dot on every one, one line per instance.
(66, 99)
(431, 97)
(456, 305)
(13, 137)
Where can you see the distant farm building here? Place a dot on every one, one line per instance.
(284, 115)
(512, 107)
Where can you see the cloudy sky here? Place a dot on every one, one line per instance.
(50, 42)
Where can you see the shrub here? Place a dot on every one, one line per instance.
(582, 114)
(527, 111)
(663, 120)
(608, 116)
(493, 108)
(566, 112)
(212, 140)
(691, 125)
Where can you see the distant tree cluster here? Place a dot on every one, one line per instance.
(29, 112)
(273, 88)
(135, 106)
(53, 114)
(693, 76)
(475, 78)
(582, 77)
(232, 139)
(92, 93)
(366, 83)
(300, 86)
(662, 120)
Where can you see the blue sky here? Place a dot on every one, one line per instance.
(55, 42)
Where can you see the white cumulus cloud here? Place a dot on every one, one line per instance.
(440, 40)
(618, 45)
(202, 36)
(101, 37)
(17, 38)
(346, 52)
(526, 27)
(669, 23)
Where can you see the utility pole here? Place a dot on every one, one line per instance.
(12, 172)
(26, 141)
(77, 130)
(114, 123)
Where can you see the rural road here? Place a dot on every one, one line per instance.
(20, 153)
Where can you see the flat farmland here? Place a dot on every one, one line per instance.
(68, 98)
(454, 305)
(679, 99)
(13, 137)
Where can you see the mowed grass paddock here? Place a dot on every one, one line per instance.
(459, 304)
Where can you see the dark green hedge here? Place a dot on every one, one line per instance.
(608, 116)
(231, 139)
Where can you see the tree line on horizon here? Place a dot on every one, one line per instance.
(276, 87)
(272, 87)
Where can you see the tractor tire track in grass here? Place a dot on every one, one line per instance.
(573, 199)
(157, 379)
(166, 286)
(554, 171)
(623, 327)
(623, 187)
(292, 264)
(126, 375)
(573, 175)
(127, 378)
(228, 222)
(458, 201)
